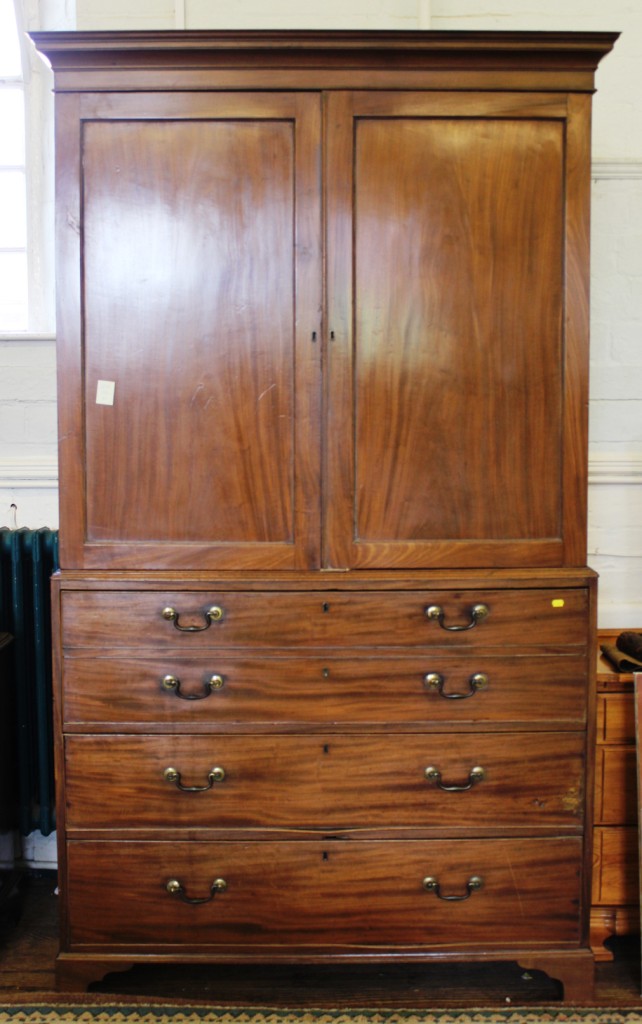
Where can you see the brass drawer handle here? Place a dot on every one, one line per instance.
(435, 681)
(175, 888)
(476, 774)
(173, 685)
(213, 614)
(478, 613)
(173, 776)
(474, 884)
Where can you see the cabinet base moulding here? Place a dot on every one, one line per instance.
(574, 969)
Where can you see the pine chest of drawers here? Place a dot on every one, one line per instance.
(615, 899)
(283, 773)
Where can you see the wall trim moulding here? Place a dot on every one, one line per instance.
(13, 336)
(616, 170)
(605, 468)
(41, 472)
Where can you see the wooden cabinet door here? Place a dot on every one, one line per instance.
(190, 330)
(457, 307)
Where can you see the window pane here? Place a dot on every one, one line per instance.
(13, 291)
(10, 63)
(13, 210)
(12, 123)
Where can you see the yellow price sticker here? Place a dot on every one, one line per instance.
(558, 602)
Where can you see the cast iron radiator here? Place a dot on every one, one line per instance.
(27, 560)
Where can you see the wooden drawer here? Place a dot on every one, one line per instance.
(278, 691)
(615, 718)
(325, 782)
(615, 867)
(615, 786)
(352, 894)
(324, 894)
(282, 619)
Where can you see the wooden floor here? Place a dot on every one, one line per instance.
(29, 940)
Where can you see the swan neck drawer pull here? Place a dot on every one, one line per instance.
(175, 888)
(173, 685)
(478, 613)
(173, 776)
(213, 614)
(434, 681)
(474, 884)
(433, 774)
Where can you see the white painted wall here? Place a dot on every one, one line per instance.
(365, 14)
(27, 395)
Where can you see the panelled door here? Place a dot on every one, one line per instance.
(456, 390)
(191, 330)
(435, 417)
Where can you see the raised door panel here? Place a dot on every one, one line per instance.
(454, 349)
(200, 294)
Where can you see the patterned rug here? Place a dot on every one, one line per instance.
(116, 1013)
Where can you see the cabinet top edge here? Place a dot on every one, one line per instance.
(579, 50)
(314, 579)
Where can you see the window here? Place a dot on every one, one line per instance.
(13, 202)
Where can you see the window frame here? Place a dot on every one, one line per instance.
(36, 81)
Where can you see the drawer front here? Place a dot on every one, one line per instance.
(384, 619)
(615, 867)
(615, 786)
(223, 691)
(615, 718)
(325, 895)
(326, 782)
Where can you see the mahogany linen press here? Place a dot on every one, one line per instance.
(323, 623)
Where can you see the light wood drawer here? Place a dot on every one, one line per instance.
(325, 781)
(282, 619)
(315, 894)
(615, 786)
(279, 691)
(615, 718)
(615, 867)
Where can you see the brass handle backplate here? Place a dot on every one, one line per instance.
(435, 682)
(175, 888)
(478, 613)
(173, 776)
(473, 884)
(476, 774)
(213, 614)
(173, 685)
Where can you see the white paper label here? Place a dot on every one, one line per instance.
(105, 392)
